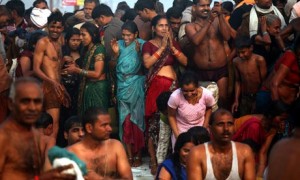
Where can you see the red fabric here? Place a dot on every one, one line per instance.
(133, 135)
(148, 47)
(251, 129)
(158, 85)
(28, 54)
(289, 59)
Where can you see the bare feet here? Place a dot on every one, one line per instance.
(137, 161)
(130, 160)
(153, 167)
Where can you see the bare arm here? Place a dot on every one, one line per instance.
(237, 88)
(26, 64)
(265, 38)
(172, 121)
(197, 36)
(208, 112)
(123, 167)
(277, 80)
(3, 144)
(194, 166)
(224, 28)
(164, 174)
(262, 67)
(249, 164)
(149, 60)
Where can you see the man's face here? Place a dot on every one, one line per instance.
(143, 15)
(202, 8)
(55, 29)
(101, 21)
(175, 24)
(245, 53)
(42, 5)
(27, 105)
(88, 9)
(75, 134)
(264, 4)
(101, 130)
(274, 28)
(222, 128)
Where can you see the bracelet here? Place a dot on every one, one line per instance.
(177, 53)
(264, 33)
(83, 72)
(156, 55)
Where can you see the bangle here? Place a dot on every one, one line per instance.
(177, 53)
(83, 72)
(264, 33)
(156, 55)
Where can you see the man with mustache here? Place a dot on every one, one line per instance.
(221, 158)
(208, 33)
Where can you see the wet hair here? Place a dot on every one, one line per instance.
(92, 1)
(91, 115)
(182, 139)
(140, 5)
(156, 19)
(70, 33)
(199, 134)
(243, 42)
(270, 18)
(44, 121)
(16, 5)
(182, 4)
(130, 14)
(34, 38)
(92, 30)
(102, 10)
(162, 101)
(197, 1)
(187, 78)
(21, 80)
(71, 122)
(174, 12)
(228, 6)
(56, 16)
(130, 26)
(218, 112)
(38, 2)
(159, 8)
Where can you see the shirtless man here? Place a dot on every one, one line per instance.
(22, 148)
(285, 156)
(250, 71)
(47, 66)
(226, 159)
(208, 33)
(105, 158)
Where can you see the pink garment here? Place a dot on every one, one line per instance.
(188, 115)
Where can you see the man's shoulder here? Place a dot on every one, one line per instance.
(242, 148)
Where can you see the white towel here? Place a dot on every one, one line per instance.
(66, 161)
(253, 23)
(39, 17)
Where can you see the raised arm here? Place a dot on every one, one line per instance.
(150, 59)
(223, 25)
(197, 36)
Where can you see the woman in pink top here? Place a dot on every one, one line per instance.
(189, 106)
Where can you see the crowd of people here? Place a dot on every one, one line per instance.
(205, 88)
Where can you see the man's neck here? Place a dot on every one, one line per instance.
(221, 147)
(200, 20)
(20, 126)
(92, 143)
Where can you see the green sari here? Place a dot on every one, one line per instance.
(93, 93)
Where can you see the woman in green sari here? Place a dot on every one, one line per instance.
(93, 88)
(130, 91)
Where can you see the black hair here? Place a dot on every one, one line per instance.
(56, 16)
(197, 1)
(228, 6)
(187, 78)
(174, 12)
(156, 19)
(140, 5)
(130, 26)
(71, 122)
(16, 5)
(182, 139)
(97, 2)
(218, 112)
(44, 121)
(296, 44)
(130, 14)
(162, 101)
(182, 4)
(4, 11)
(93, 31)
(102, 10)
(38, 2)
(34, 38)
(243, 42)
(123, 6)
(70, 32)
(91, 115)
(28, 12)
(252, 144)
(295, 113)
(199, 134)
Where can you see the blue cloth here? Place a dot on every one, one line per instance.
(130, 85)
(169, 166)
(263, 101)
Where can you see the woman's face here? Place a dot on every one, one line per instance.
(189, 91)
(74, 42)
(184, 152)
(162, 27)
(128, 36)
(86, 38)
(274, 28)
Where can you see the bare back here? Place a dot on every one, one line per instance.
(250, 73)
(210, 53)
(21, 156)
